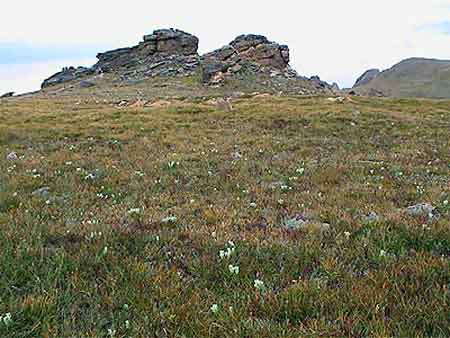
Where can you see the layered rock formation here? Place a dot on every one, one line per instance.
(251, 61)
(246, 52)
(166, 52)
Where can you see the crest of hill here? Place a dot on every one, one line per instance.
(414, 77)
(171, 53)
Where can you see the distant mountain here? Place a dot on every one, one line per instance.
(367, 77)
(415, 77)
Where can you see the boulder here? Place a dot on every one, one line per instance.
(172, 41)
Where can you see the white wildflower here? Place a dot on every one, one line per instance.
(214, 308)
(170, 219)
(134, 211)
(6, 319)
(233, 269)
(300, 171)
(259, 284)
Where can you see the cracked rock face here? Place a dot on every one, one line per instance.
(246, 51)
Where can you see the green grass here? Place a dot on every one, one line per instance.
(81, 263)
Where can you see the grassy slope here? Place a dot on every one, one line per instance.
(414, 78)
(142, 277)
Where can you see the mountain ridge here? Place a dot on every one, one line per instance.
(411, 77)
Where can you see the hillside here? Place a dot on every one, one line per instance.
(415, 77)
(277, 216)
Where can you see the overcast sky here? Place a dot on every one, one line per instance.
(336, 40)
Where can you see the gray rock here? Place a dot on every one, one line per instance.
(371, 217)
(12, 156)
(422, 210)
(298, 222)
(86, 84)
(43, 192)
(67, 74)
(165, 52)
(303, 222)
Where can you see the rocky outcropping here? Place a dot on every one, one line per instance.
(165, 52)
(252, 60)
(246, 52)
(67, 74)
(367, 77)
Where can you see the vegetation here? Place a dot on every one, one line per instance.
(170, 221)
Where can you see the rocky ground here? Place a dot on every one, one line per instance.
(165, 210)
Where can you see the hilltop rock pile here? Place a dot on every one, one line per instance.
(67, 74)
(252, 60)
(166, 52)
(246, 52)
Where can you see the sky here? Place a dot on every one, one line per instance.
(335, 39)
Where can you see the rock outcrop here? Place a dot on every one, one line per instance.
(246, 52)
(366, 77)
(67, 74)
(166, 52)
(252, 62)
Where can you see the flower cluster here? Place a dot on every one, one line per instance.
(227, 251)
(6, 319)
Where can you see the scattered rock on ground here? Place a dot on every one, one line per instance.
(222, 104)
(86, 84)
(371, 217)
(41, 192)
(422, 210)
(303, 222)
(12, 156)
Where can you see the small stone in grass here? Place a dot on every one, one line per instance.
(12, 156)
